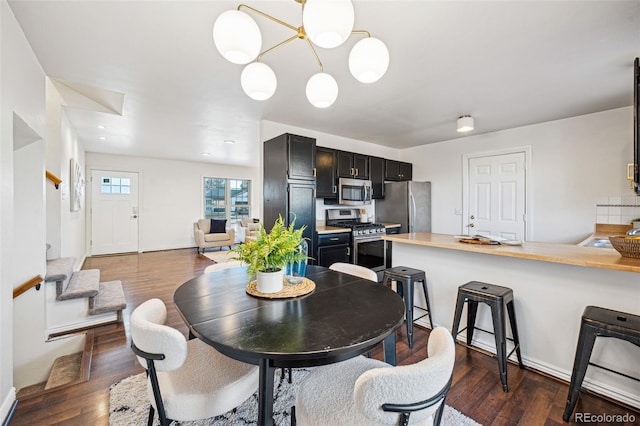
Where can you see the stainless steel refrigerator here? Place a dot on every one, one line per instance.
(406, 203)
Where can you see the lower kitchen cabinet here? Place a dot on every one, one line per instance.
(333, 248)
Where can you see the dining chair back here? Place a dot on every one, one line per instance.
(187, 380)
(368, 391)
(356, 270)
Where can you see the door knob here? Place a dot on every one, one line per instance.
(135, 216)
(471, 225)
(472, 217)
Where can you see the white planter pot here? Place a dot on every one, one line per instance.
(269, 282)
(636, 224)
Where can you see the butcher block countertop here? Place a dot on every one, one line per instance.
(545, 252)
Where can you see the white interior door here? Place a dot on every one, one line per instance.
(114, 212)
(497, 196)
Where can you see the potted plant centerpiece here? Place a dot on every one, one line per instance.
(636, 222)
(267, 255)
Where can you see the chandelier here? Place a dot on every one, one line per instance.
(325, 23)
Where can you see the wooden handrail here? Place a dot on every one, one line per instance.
(33, 282)
(53, 178)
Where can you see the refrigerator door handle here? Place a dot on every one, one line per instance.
(412, 212)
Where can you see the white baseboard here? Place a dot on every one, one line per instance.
(7, 404)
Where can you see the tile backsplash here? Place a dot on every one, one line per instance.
(619, 209)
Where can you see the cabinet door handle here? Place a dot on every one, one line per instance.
(334, 239)
(348, 251)
(357, 172)
(314, 172)
(352, 172)
(335, 189)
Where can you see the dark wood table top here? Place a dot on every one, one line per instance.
(343, 317)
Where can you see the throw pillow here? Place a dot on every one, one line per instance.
(218, 226)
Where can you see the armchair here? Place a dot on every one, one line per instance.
(206, 239)
(250, 228)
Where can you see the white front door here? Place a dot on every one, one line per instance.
(114, 212)
(497, 196)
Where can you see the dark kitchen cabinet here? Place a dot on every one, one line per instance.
(333, 248)
(398, 170)
(376, 172)
(289, 183)
(352, 165)
(326, 182)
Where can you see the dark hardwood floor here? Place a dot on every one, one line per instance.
(533, 398)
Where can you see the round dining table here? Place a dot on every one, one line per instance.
(343, 317)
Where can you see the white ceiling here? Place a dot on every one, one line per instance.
(507, 63)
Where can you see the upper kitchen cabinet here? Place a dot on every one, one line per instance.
(398, 170)
(326, 185)
(376, 171)
(292, 154)
(352, 165)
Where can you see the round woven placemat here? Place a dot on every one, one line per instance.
(288, 290)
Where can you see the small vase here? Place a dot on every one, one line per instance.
(295, 272)
(269, 282)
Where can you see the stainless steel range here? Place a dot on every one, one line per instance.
(367, 248)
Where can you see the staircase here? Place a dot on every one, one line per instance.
(80, 300)
(74, 306)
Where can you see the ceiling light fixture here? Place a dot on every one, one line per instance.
(229, 141)
(325, 24)
(465, 123)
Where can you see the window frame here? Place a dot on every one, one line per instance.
(230, 207)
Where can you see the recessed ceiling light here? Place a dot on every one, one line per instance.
(206, 154)
(102, 138)
(229, 141)
(100, 126)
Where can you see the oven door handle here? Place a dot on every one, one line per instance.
(366, 239)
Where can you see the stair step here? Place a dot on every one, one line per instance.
(59, 269)
(84, 283)
(110, 298)
(65, 369)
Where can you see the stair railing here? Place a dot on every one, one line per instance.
(33, 282)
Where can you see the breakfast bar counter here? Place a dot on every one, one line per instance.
(547, 252)
(552, 284)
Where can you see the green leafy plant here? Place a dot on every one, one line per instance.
(270, 252)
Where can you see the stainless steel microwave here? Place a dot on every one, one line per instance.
(354, 192)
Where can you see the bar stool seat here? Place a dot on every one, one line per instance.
(496, 297)
(596, 322)
(405, 277)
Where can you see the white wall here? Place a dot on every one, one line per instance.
(72, 224)
(21, 93)
(574, 163)
(171, 195)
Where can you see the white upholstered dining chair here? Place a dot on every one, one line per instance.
(365, 391)
(186, 380)
(357, 270)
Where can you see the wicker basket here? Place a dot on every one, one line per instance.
(627, 246)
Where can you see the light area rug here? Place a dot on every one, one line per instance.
(128, 405)
(219, 256)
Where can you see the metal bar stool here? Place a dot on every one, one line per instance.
(496, 297)
(405, 277)
(598, 322)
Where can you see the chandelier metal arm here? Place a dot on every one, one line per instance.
(290, 39)
(315, 54)
(367, 33)
(266, 15)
